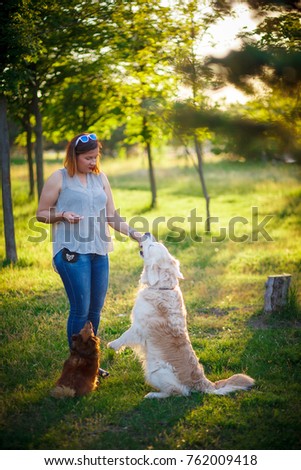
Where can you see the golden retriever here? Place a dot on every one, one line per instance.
(159, 332)
(80, 370)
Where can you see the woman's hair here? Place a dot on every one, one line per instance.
(72, 152)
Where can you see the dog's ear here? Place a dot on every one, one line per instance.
(153, 274)
(177, 269)
(74, 342)
(170, 261)
(150, 275)
(144, 278)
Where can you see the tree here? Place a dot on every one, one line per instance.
(269, 70)
(240, 131)
(9, 231)
(142, 71)
(110, 71)
(13, 43)
(62, 29)
(196, 76)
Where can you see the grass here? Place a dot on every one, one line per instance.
(223, 291)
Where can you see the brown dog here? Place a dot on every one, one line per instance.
(80, 371)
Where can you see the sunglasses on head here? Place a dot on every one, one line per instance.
(85, 138)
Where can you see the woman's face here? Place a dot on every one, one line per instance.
(86, 161)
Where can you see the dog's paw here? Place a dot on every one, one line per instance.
(113, 345)
(157, 395)
(150, 395)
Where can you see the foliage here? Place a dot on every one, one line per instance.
(268, 69)
(189, 63)
(107, 65)
(144, 86)
(54, 32)
(122, 80)
(238, 134)
(15, 44)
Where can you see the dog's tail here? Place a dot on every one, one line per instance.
(61, 391)
(223, 387)
(232, 384)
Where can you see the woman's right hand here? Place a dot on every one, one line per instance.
(137, 236)
(71, 217)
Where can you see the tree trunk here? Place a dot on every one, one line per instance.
(276, 293)
(151, 175)
(29, 159)
(202, 178)
(147, 138)
(39, 140)
(9, 229)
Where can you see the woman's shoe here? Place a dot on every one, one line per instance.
(103, 373)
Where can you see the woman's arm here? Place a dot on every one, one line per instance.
(46, 211)
(113, 218)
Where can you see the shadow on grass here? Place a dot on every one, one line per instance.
(117, 417)
(147, 425)
(113, 417)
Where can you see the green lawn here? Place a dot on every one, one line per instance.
(223, 291)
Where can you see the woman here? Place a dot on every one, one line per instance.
(77, 201)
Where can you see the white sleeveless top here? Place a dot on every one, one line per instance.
(91, 234)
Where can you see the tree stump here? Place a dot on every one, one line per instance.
(276, 294)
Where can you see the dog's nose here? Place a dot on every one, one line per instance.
(146, 239)
(148, 235)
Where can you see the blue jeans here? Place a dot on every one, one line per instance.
(86, 284)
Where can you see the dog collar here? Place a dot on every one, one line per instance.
(162, 288)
